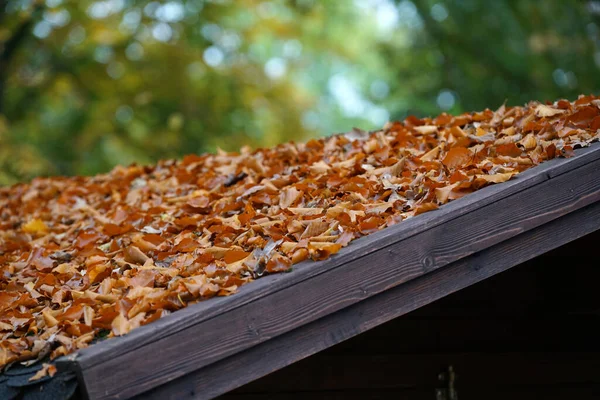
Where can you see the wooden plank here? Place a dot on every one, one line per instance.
(534, 307)
(203, 311)
(543, 290)
(193, 346)
(269, 356)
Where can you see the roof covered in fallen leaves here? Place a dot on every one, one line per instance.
(85, 258)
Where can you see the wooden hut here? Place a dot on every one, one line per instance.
(491, 296)
(407, 312)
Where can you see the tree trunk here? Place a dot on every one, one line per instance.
(9, 48)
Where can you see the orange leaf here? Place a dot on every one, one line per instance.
(457, 157)
(232, 256)
(510, 150)
(425, 207)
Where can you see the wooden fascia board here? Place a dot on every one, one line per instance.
(208, 332)
(244, 367)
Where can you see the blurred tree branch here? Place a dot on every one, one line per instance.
(98, 83)
(9, 47)
(460, 48)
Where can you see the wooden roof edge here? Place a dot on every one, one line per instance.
(267, 357)
(206, 310)
(208, 332)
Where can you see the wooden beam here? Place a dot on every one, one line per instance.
(208, 332)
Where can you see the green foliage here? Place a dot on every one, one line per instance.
(86, 85)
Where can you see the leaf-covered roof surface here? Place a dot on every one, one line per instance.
(89, 257)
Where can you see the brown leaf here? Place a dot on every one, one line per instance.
(143, 278)
(544, 111)
(510, 150)
(457, 157)
(47, 370)
(583, 116)
(496, 178)
(306, 211)
(134, 255)
(377, 208)
(320, 167)
(444, 193)
(431, 154)
(288, 196)
(322, 251)
(114, 230)
(425, 207)
(529, 142)
(315, 228)
(120, 325)
(234, 255)
(199, 202)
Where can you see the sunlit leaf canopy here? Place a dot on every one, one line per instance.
(86, 85)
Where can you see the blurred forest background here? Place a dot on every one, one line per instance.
(88, 84)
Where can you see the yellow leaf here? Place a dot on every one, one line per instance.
(35, 226)
(496, 178)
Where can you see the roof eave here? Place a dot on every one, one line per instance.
(212, 347)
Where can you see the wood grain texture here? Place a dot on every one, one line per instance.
(527, 316)
(205, 333)
(237, 370)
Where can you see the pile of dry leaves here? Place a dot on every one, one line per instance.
(88, 257)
